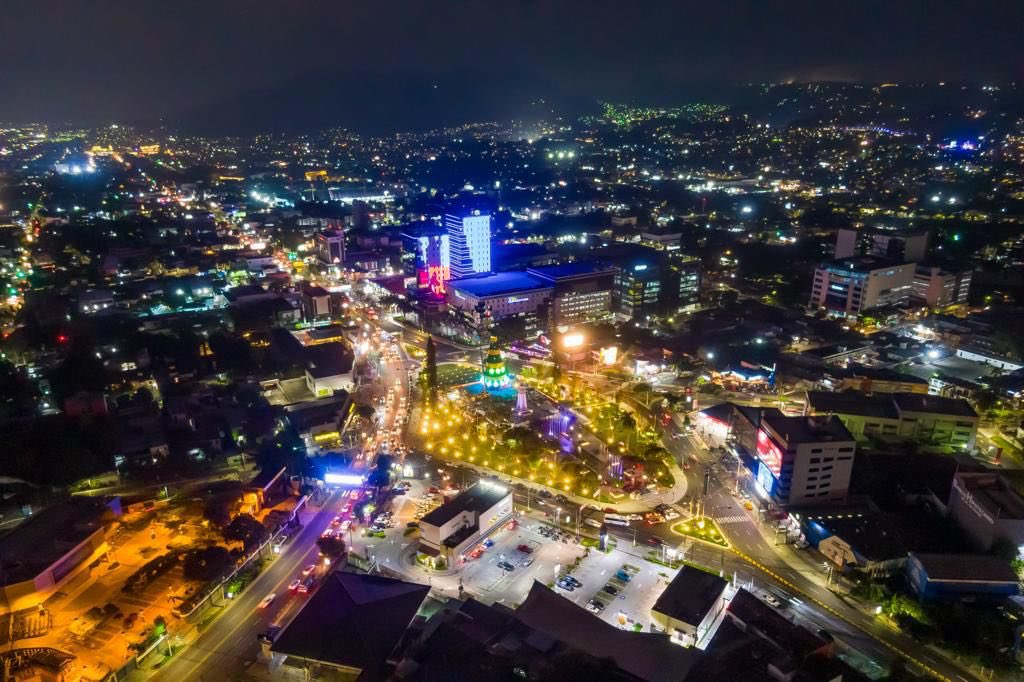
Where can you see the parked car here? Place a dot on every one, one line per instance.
(572, 579)
(623, 576)
(611, 589)
(594, 606)
(506, 566)
(525, 549)
(567, 586)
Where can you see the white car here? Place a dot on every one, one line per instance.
(771, 600)
(268, 600)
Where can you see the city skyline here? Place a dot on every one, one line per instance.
(152, 64)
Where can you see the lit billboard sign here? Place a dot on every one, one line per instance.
(343, 479)
(769, 453)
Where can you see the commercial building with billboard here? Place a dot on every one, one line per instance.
(804, 460)
(503, 294)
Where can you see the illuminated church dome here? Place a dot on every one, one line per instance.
(495, 371)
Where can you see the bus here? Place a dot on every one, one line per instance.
(616, 519)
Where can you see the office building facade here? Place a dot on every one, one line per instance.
(330, 247)
(846, 288)
(469, 243)
(502, 295)
(638, 291)
(938, 288)
(804, 460)
(897, 246)
(581, 292)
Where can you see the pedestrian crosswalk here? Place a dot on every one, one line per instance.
(739, 518)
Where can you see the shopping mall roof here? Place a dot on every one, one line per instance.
(569, 270)
(498, 284)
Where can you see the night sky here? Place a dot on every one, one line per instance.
(96, 61)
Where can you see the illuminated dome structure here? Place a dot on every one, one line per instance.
(495, 375)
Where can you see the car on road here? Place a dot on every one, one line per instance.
(525, 549)
(270, 634)
(267, 601)
(611, 589)
(306, 584)
(506, 566)
(655, 541)
(488, 543)
(308, 570)
(771, 600)
(594, 606)
(293, 586)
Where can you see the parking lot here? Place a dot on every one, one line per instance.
(636, 584)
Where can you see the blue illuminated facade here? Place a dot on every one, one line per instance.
(469, 239)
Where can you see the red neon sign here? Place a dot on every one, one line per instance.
(437, 275)
(769, 453)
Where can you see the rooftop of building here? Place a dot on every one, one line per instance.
(772, 625)
(862, 264)
(569, 270)
(354, 621)
(497, 284)
(966, 567)
(994, 493)
(47, 536)
(328, 359)
(796, 430)
(917, 402)
(881, 536)
(852, 402)
(690, 595)
(315, 291)
(477, 498)
(736, 653)
(647, 656)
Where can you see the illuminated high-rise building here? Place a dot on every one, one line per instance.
(427, 257)
(469, 237)
(330, 247)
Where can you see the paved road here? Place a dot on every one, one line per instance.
(229, 644)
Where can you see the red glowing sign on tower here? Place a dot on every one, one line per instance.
(769, 453)
(437, 275)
